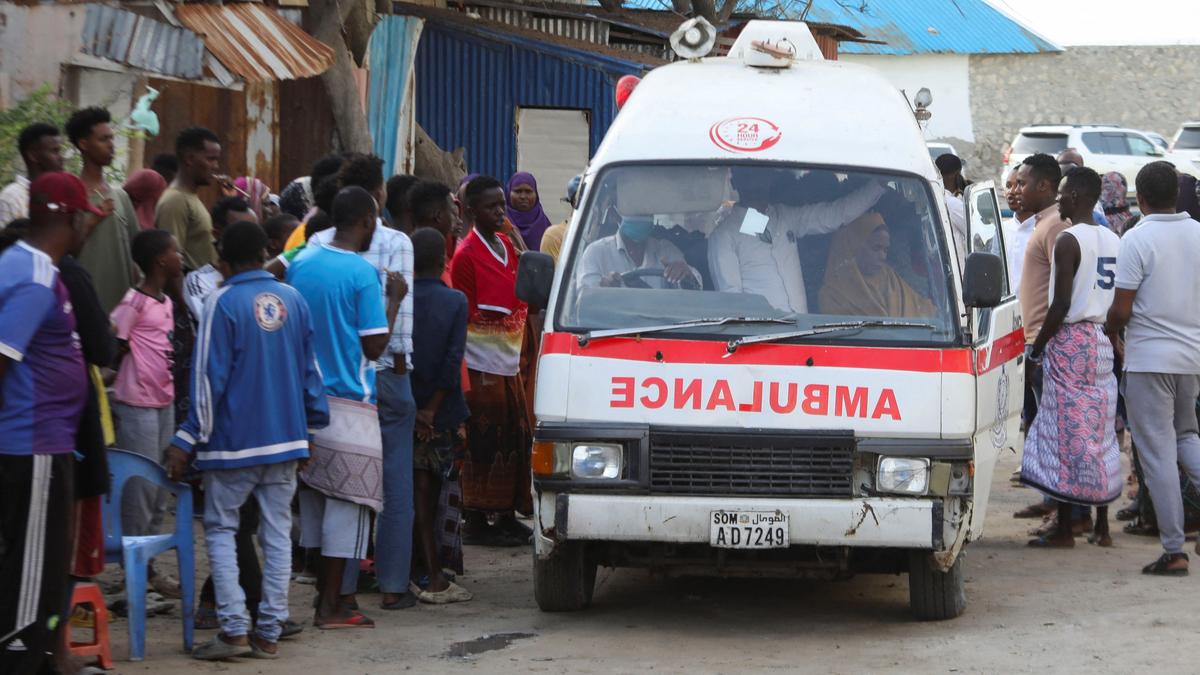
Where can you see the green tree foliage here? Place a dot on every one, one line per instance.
(40, 106)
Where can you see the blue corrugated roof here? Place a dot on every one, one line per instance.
(929, 27)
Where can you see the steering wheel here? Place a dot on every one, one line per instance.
(636, 278)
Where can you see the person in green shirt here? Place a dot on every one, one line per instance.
(106, 253)
(180, 211)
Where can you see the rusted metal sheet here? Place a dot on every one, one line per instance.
(255, 43)
(262, 133)
(306, 114)
(143, 43)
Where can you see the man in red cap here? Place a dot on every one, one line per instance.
(43, 386)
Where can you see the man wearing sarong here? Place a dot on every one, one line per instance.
(495, 473)
(1158, 282)
(344, 478)
(1071, 451)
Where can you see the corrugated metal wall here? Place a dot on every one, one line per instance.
(469, 87)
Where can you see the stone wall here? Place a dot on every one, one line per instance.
(1150, 88)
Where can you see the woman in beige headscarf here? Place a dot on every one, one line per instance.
(858, 279)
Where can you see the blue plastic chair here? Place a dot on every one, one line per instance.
(136, 552)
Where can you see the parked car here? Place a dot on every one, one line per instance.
(1157, 139)
(1103, 147)
(1187, 141)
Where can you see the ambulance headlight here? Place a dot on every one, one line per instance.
(596, 461)
(902, 475)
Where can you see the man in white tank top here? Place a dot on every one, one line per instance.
(1068, 455)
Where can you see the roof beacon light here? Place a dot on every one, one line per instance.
(625, 87)
(694, 39)
(775, 44)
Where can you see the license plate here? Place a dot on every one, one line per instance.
(748, 529)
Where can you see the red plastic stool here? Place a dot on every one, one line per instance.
(87, 593)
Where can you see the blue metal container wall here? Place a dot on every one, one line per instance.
(469, 86)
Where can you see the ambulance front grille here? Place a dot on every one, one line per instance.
(752, 464)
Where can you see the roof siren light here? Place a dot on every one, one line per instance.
(694, 39)
(625, 87)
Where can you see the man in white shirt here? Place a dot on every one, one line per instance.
(1158, 283)
(1017, 229)
(631, 249)
(40, 146)
(200, 283)
(753, 250)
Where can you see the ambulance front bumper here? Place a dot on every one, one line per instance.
(912, 523)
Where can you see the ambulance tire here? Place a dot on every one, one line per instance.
(564, 581)
(934, 595)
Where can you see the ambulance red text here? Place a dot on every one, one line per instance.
(781, 398)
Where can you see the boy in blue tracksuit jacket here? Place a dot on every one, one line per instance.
(256, 396)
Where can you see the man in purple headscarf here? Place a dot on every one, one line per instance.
(525, 209)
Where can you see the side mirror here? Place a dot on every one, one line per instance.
(535, 277)
(983, 280)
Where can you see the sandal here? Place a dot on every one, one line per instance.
(355, 620)
(1128, 513)
(1161, 567)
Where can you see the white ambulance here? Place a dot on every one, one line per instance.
(762, 354)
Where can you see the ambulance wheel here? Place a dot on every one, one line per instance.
(564, 581)
(934, 595)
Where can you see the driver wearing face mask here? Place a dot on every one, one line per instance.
(633, 258)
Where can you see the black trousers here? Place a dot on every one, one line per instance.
(37, 501)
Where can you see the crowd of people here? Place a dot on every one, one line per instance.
(368, 325)
(370, 328)
(1112, 345)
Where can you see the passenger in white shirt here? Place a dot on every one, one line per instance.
(1017, 230)
(606, 260)
(747, 256)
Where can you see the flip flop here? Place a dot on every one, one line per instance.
(1043, 542)
(355, 620)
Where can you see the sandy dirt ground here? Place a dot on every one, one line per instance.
(1029, 611)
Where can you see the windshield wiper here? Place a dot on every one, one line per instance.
(823, 328)
(587, 337)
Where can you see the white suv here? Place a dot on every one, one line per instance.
(1187, 141)
(1104, 148)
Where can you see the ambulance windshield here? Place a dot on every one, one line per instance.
(673, 243)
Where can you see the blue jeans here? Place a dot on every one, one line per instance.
(225, 491)
(394, 527)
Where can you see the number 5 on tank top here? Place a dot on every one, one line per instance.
(1106, 272)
